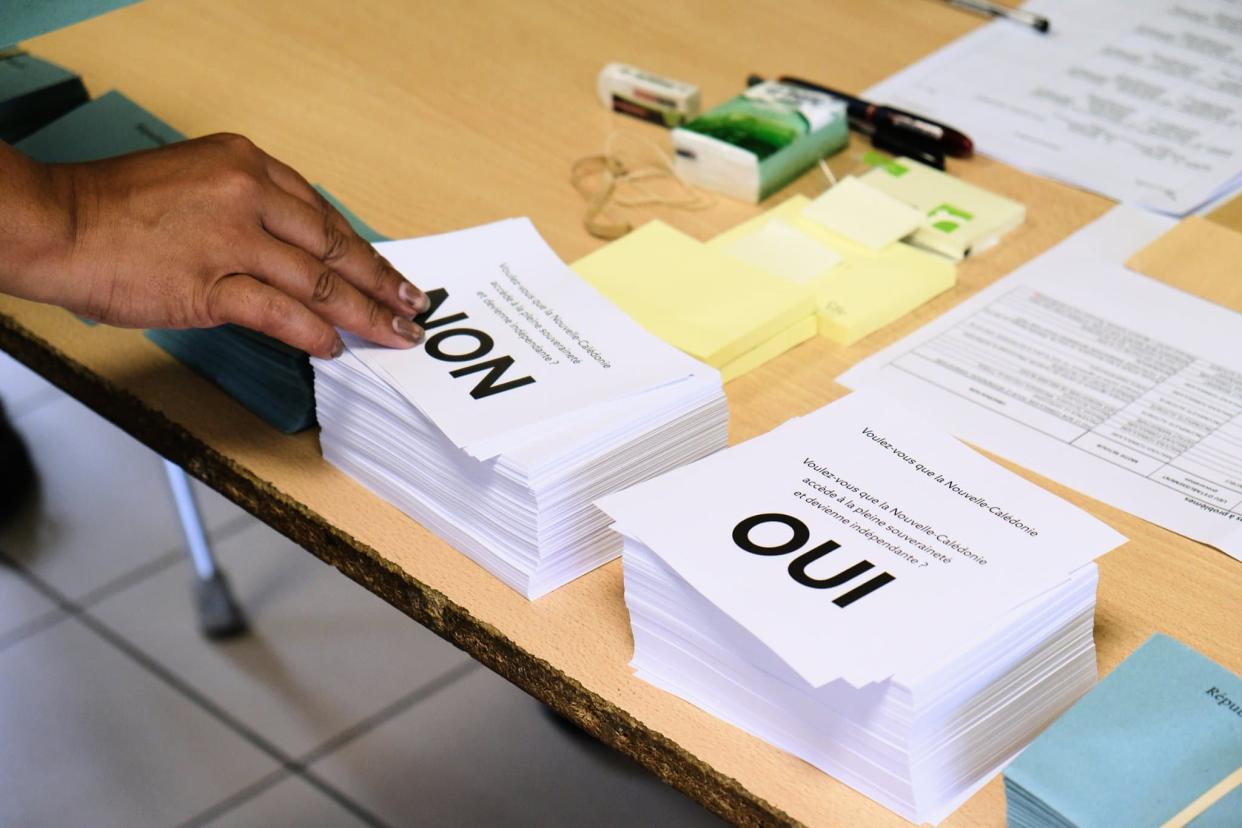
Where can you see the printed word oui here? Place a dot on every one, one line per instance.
(799, 565)
(482, 345)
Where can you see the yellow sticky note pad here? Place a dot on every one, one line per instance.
(762, 253)
(864, 214)
(868, 289)
(781, 248)
(774, 347)
(868, 293)
(710, 305)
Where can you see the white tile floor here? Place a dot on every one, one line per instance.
(336, 710)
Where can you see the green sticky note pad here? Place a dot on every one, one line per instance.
(961, 218)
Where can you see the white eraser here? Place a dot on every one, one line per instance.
(644, 95)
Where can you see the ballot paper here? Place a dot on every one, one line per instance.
(1157, 743)
(1140, 102)
(1105, 380)
(868, 593)
(515, 339)
(531, 397)
(932, 528)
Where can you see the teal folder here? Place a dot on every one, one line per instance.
(268, 377)
(110, 125)
(1147, 744)
(22, 19)
(34, 93)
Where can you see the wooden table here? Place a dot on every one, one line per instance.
(425, 117)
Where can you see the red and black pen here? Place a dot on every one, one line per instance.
(870, 118)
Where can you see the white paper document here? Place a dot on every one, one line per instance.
(515, 339)
(1103, 379)
(1139, 101)
(856, 542)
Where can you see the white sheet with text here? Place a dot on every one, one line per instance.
(1103, 379)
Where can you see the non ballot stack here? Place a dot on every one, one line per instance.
(531, 397)
(1157, 743)
(868, 594)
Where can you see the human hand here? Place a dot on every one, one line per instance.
(211, 231)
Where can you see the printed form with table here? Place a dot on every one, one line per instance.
(864, 587)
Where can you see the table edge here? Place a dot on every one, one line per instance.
(605, 721)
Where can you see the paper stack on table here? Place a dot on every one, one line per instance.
(868, 594)
(531, 396)
(717, 308)
(1157, 743)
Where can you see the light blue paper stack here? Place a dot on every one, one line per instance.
(270, 378)
(1156, 743)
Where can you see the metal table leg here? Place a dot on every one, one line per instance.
(219, 615)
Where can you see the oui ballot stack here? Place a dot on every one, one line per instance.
(868, 594)
(531, 396)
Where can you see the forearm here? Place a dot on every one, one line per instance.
(36, 226)
(197, 234)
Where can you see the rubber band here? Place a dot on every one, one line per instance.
(612, 179)
(827, 171)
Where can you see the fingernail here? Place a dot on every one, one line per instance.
(407, 329)
(338, 348)
(412, 296)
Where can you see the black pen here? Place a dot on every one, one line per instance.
(1036, 21)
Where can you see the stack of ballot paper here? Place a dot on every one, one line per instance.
(531, 397)
(858, 285)
(1157, 743)
(728, 313)
(868, 594)
(270, 378)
